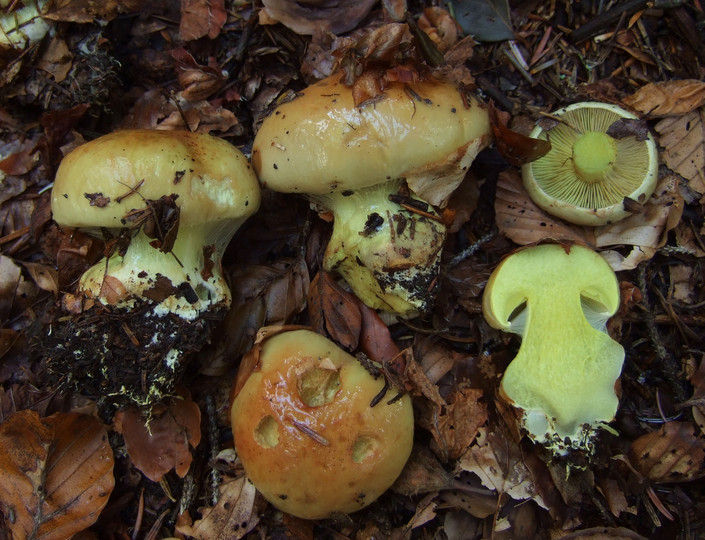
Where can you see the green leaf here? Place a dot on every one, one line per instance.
(485, 20)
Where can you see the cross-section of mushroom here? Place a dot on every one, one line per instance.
(558, 299)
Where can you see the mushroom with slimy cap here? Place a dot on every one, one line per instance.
(101, 183)
(317, 434)
(173, 200)
(593, 165)
(558, 299)
(357, 161)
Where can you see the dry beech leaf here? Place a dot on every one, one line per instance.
(376, 340)
(233, 516)
(199, 19)
(161, 443)
(46, 277)
(523, 222)
(674, 453)
(334, 312)
(499, 464)
(56, 473)
(645, 232)
(616, 500)
(516, 148)
(698, 409)
(459, 424)
(668, 98)
(682, 139)
(308, 17)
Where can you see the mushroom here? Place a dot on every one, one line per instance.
(558, 299)
(312, 429)
(22, 23)
(205, 186)
(174, 200)
(354, 160)
(599, 157)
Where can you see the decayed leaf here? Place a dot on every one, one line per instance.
(525, 223)
(682, 139)
(516, 148)
(334, 311)
(201, 18)
(56, 474)
(83, 11)
(161, 442)
(698, 399)
(614, 496)
(230, 519)
(645, 232)
(500, 466)
(668, 98)
(458, 426)
(310, 16)
(674, 453)
(485, 20)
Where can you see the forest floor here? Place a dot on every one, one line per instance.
(219, 67)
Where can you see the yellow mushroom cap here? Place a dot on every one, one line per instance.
(306, 433)
(212, 178)
(587, 174)
(558, 299)
(321, 143)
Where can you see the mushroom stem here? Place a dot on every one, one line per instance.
(594, 154)
(192, 267)
(388, 253)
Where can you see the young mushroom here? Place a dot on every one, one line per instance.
(357, 161)
(600, 155)
(127, 181)
(558, 299)
(316, 432)
(172, 202)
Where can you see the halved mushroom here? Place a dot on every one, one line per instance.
(558, 299)
(599, 156)
(308, 431)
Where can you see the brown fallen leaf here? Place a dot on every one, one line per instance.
(161, 442)
(56, 474)
(682, 139)
(697, 379)
(201, 18)
(516, 148)
(674, 453)
(459, 425)
(499, 464)
(668, 98)
(523, 222)
(308, 17)
(334, 312)
(233, 516)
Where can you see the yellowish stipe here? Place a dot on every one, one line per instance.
(594, 154)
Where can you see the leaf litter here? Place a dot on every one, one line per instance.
(218, 67)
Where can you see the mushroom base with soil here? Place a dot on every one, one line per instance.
(386, 246)
(126, 356)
